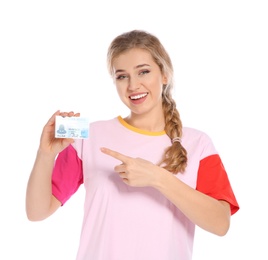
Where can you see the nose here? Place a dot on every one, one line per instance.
(133, 84)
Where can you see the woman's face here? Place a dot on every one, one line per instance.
(139, 82)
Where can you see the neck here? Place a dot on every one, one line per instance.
(152, 124)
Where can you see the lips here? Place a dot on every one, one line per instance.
(138, 98)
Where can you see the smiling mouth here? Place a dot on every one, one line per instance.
(136, 97)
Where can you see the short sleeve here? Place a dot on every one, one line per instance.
(213, 181)
(67, 174)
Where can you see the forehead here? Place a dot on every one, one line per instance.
(133, 58)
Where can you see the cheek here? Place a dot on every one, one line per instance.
(157, 86)
(118, 88)
(121, 92)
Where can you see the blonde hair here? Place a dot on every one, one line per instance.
(175, 156)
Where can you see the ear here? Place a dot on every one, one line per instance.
(165, 80)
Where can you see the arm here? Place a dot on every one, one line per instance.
(208, 213)
(40, 203)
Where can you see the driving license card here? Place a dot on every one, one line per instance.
(72, 127)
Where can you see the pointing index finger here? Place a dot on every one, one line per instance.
(114, 154)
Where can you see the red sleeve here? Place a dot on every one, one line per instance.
(67, 174)
(213, 180)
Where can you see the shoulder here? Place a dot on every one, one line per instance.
(194, 134)
(104, 123)
(197, 140)
(97, 131)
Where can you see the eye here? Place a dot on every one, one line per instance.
(143, 72)
(121, 77)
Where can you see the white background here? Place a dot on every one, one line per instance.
(53, 56)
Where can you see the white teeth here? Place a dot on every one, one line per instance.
(138, 96)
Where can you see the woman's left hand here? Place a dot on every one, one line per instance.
(135, 172)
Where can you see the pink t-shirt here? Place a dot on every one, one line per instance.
(133, 223)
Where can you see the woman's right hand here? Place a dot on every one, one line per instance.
(49, 144)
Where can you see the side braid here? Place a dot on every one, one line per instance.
(175, 156)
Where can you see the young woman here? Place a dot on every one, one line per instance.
(148, 179)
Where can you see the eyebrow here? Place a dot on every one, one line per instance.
(136, 67)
